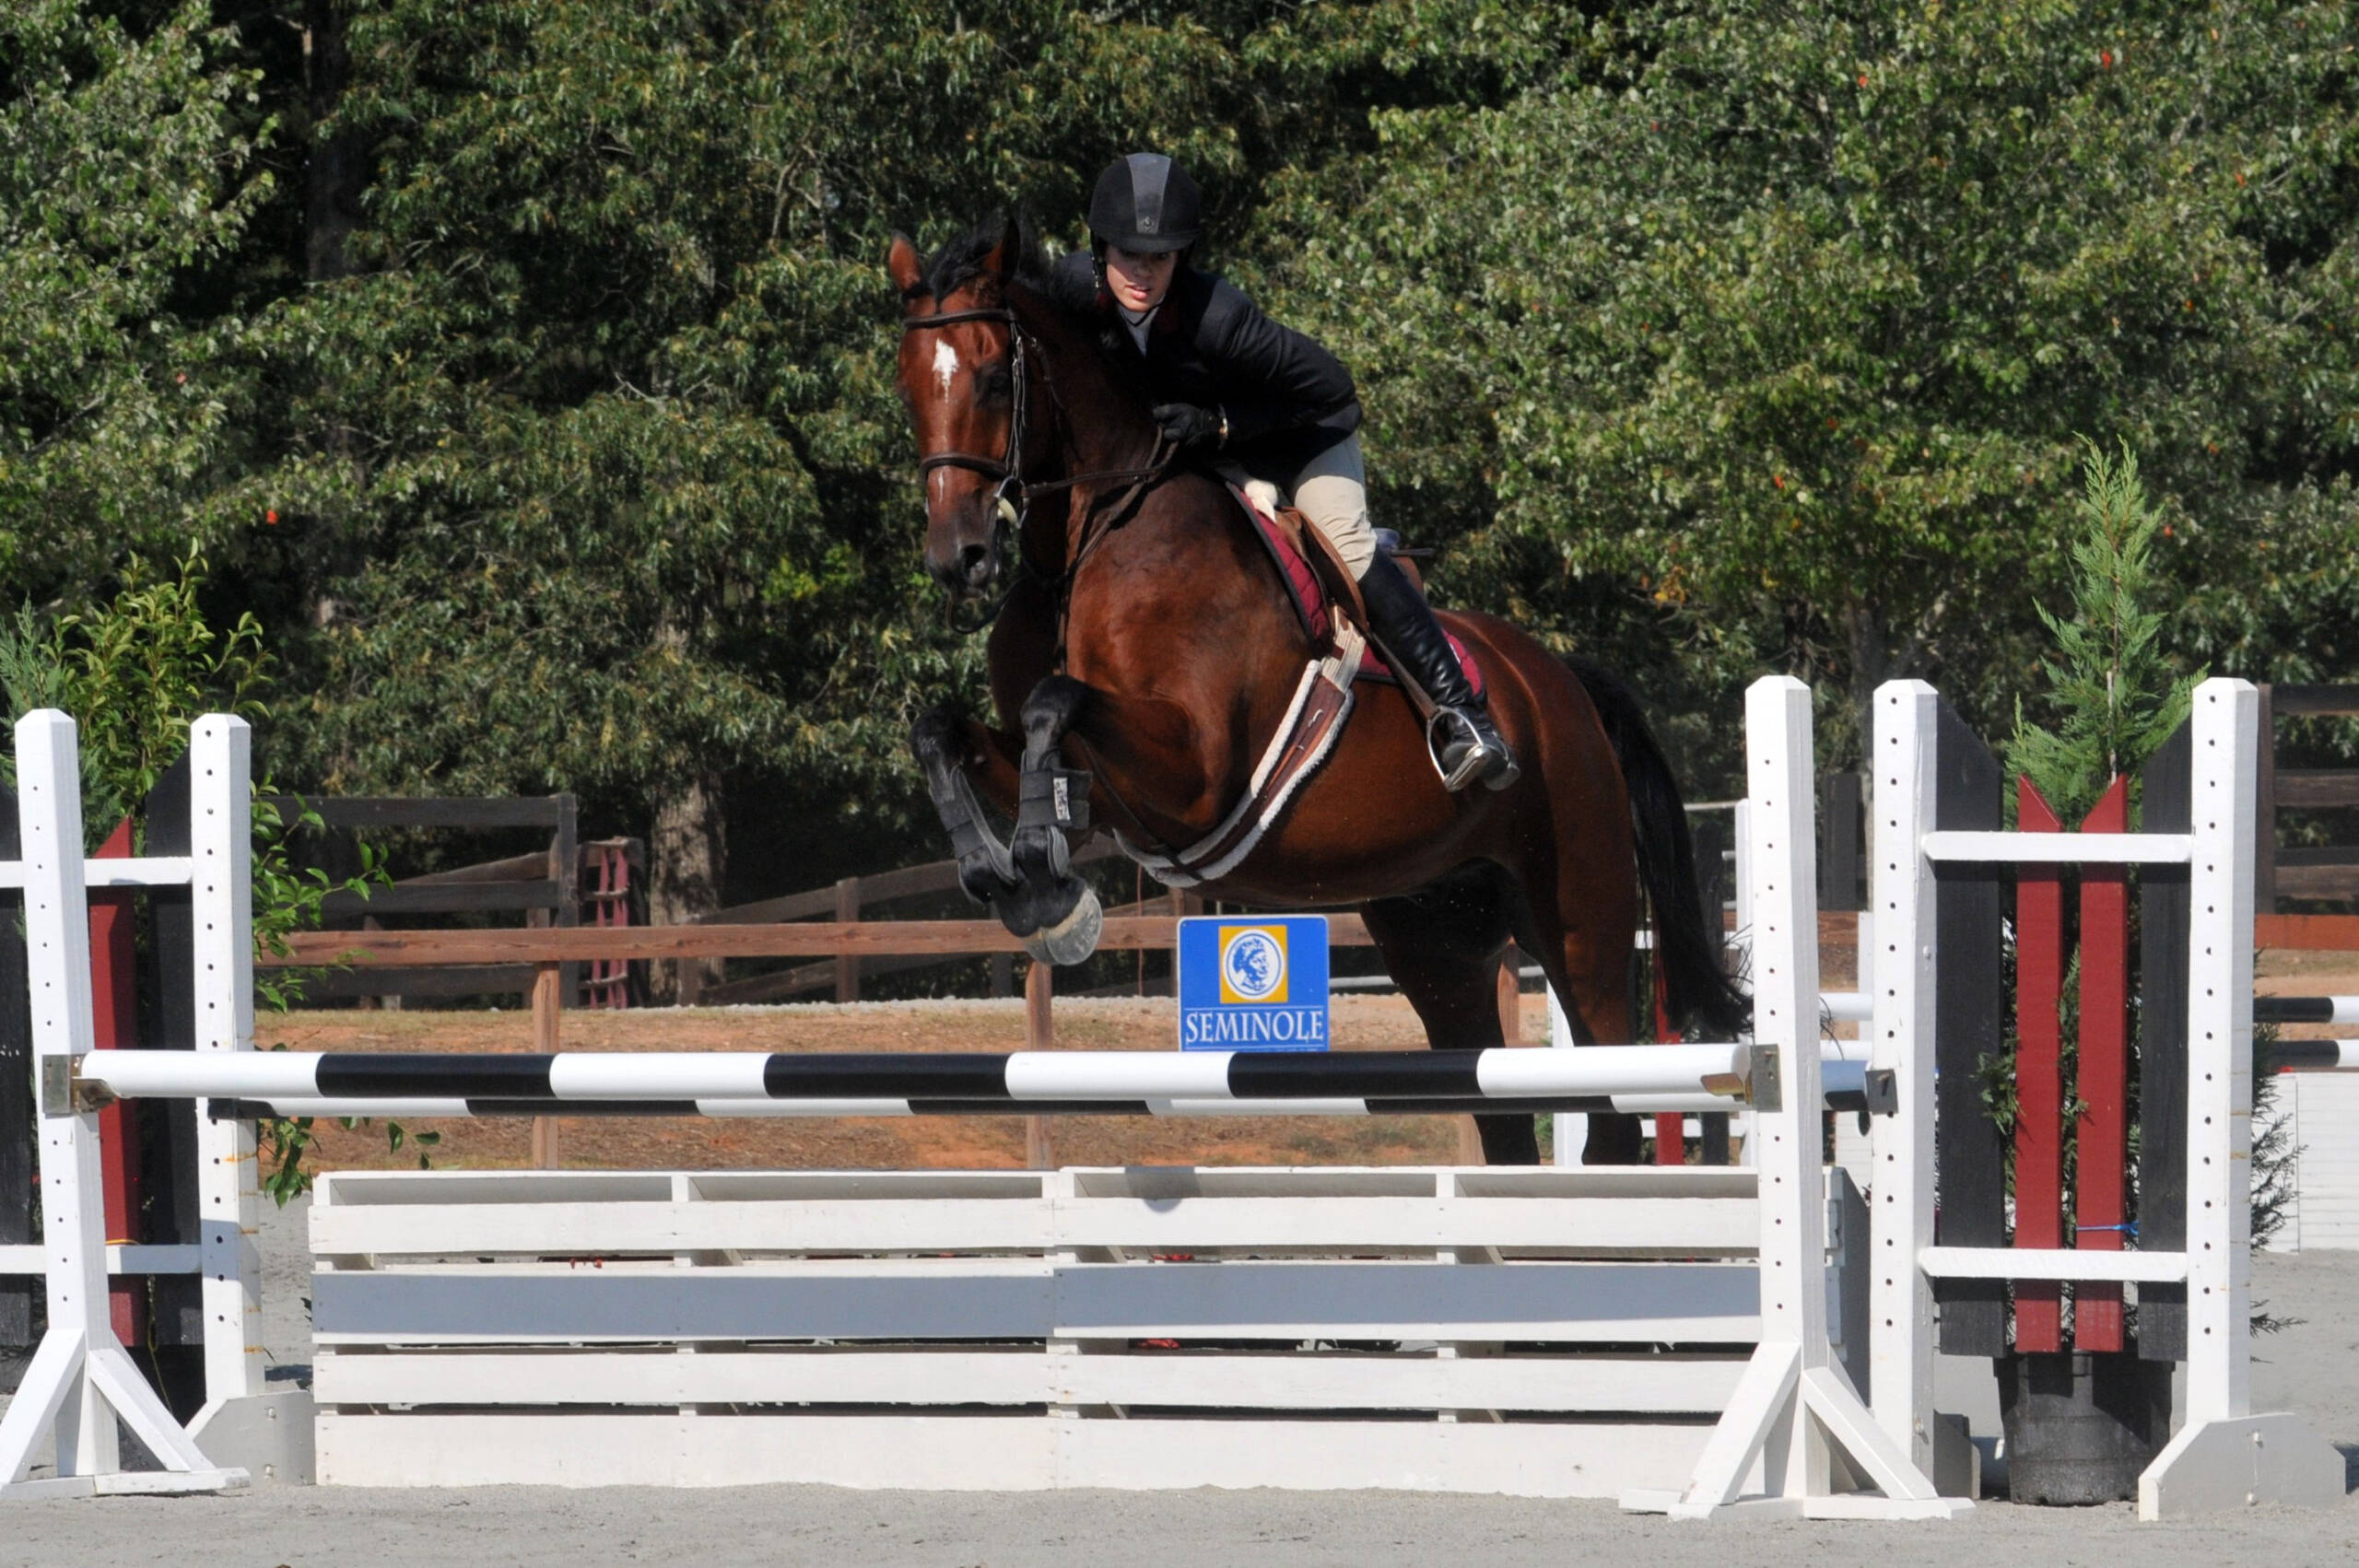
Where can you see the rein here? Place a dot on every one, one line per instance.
(1012, 496)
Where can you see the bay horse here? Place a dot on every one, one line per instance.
(1142, 635)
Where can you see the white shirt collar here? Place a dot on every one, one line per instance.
(1139, 325)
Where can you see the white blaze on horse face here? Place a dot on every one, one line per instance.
(946, 364)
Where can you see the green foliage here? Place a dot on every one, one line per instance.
(2114, 693)
(133, 672)
(122, 174)
(1779, 326)
(286, 1140)
(1708, 337)
(2275, 1157)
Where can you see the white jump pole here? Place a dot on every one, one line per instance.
(1794, 1412)
(81, 1379)
(1900, 1031)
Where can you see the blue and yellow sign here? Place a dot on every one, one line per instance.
(1253, 983)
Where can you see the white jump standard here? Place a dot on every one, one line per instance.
(81, 1380)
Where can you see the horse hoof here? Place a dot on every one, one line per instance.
(1072, 939)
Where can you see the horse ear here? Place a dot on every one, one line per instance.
(901, 261)
(1001, 261)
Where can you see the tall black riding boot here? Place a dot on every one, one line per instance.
(1465, 745)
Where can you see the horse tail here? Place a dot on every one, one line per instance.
(1699, 991)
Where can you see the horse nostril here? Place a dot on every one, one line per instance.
(974, 565)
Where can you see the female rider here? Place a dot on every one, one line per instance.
(1225, 379)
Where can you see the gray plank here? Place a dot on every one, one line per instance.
(1572, 1301)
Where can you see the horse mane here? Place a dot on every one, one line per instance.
(960, 261)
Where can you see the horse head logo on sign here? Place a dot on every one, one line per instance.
(1253, 964)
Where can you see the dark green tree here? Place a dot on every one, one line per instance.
(1779, 341)
(126, 164)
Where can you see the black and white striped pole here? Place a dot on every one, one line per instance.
(1642, 1080)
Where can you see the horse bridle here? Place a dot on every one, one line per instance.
(1011, 495)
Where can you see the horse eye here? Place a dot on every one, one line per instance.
(991, 385)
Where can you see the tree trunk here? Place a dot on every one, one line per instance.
(337, 165)
(1872, 665)
(685, 858)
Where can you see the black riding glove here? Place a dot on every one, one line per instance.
(1187, 426)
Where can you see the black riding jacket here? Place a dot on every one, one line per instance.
(1286, 399)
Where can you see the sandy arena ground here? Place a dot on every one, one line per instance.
(2311, 1367)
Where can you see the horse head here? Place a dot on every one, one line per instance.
(965, 383)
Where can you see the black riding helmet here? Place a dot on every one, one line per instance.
(1146, 203)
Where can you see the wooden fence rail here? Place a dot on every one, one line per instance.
(810, 939)
(845, 900)
(2328, 873)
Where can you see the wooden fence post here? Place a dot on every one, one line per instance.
(2166, 900)
(2264, 816)
(1510, 999)
(1961, 967)
(1670, 1131)
(20, 1172)
(1039, 1035)
(114, 1024)
(848, 965)
(548, 994)
(565, 870)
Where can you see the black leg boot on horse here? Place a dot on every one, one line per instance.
(986, 870)
(1465, 744)
(1056, 913)
(1026, 880)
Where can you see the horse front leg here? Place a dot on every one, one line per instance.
(1056, 913)
(955, 753)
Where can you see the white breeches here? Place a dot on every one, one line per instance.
(1331, 491)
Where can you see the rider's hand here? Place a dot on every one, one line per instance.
(1187, 426)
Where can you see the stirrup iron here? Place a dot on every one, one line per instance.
(1487, 755)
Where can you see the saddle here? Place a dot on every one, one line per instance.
(1321, 585)
(1335, 618)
